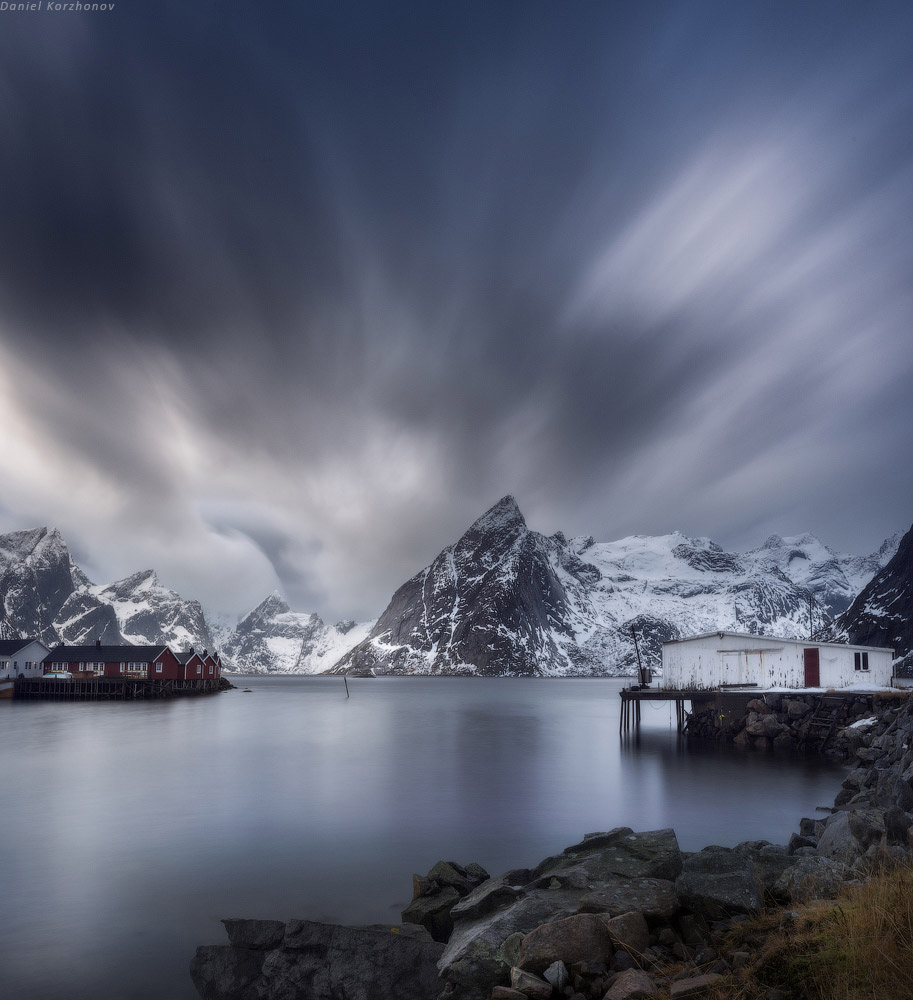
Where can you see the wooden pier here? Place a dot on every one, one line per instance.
(723, 700)
(631, 699)
(111, 689)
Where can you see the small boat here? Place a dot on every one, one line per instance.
(57, 675)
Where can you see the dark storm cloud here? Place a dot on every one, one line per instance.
(311, 285)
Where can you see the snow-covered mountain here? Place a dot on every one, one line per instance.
(507, 600)
(501, 600)
(275, 639)
(882, 613)
(834, 578)
(43, 592)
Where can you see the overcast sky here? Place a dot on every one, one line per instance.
(290, 293)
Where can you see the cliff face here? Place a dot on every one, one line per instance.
(882, 614)
(492, 603)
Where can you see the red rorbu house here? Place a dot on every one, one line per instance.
(196, 666)
(154, 663)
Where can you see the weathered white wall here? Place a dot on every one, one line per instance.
(711, 661)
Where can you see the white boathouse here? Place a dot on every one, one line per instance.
(731, 659)
(21, 658)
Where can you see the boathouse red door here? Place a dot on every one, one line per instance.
(812, 674)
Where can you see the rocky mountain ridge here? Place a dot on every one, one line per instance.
(507, 600)
(501, 600)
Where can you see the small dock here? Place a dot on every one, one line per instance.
(725, 701)
(110, 689)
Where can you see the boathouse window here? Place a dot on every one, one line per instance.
(862, 661)
(158, 668)
(198, 668)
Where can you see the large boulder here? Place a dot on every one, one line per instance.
(322, 962)
(769, 861)
(719, 882)
(812, 877)
(654, 854)
(838, 841)
(654, 897)
(582, 937)
(482, 947)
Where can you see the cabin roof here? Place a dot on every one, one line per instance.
(808, 643)
(8, 647)
(104, 654)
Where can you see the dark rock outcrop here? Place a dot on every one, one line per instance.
(882, 613)
(319, 961)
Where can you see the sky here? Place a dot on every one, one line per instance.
(291, 293)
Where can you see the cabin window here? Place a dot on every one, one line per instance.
(861, 660)
(158, 668)
(198, 668)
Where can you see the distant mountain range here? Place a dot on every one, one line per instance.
(504, 599)
(501, 600)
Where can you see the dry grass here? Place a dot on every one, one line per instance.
(860, 948)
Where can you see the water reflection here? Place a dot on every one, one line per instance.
(129, 830)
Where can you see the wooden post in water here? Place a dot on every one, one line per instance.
(347, 684)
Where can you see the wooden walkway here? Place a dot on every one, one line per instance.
(109, 689)
(726, 701)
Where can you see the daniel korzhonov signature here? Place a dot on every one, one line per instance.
(52, 6)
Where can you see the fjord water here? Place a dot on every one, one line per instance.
(129, 830)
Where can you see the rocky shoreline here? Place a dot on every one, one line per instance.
(619, 916)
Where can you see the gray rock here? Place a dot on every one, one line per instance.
(557, 975)
(769, 860)
(477, 956)
(529, 985)
(433, 912)
(810, 878)
(837, 841)
(579, 938)
(449, 873)
(654, 897)
(489, 896)
(897, 826)
(653, 854)
(693, 986)
(221, 972)
(629, 931)
(717, 882)
(867, 826)
(795, 842)
(259, 935)
(322, 962)
(633, 984)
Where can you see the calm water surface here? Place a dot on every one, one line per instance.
(128, 831)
